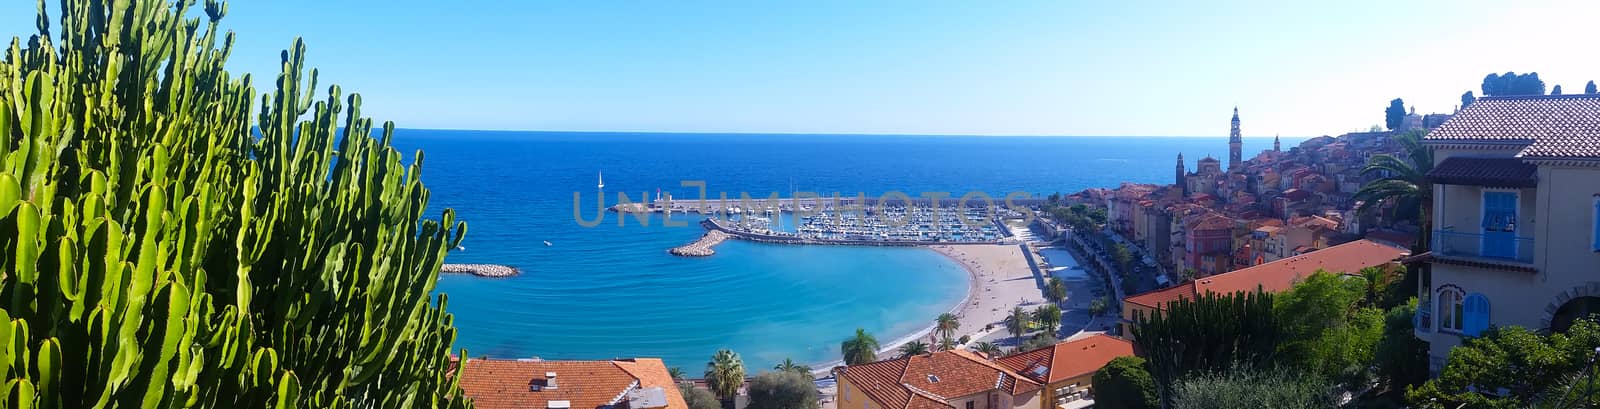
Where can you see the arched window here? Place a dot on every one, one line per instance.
(1451, 309)
(1475, 316)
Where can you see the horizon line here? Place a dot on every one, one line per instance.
(775, 133)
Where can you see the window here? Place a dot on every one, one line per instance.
(1475, 314)
(1594, 243)
(969, 404)
(1499, 224)
(1450, 309)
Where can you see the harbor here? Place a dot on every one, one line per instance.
(481, 270)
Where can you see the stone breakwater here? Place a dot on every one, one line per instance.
(701, 247)
(480, 270)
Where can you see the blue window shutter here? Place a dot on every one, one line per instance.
(1475, 317)
(1596, 242)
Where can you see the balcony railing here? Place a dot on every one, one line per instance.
(1422, 323)
(1492, 246)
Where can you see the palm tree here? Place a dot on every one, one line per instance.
(1048, 315)
(946, 344)
(1055, 290)
(1403, 183)
(725, 375)
(1098, 306)
(1017, 323)
(860, 349)
(676, 373)
(913, 348)
(946, 325)
(789, 365)
(987, 348)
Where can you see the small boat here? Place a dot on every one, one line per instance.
(547, 243)
(602, 184)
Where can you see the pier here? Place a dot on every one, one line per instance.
(701, 247)
(480, 270)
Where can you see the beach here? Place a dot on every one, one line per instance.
(1000, 281)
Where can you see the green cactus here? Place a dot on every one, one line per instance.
(159, 248)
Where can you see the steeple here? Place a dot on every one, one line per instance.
(1179, 180)
(1235, 143)
(1277, 146)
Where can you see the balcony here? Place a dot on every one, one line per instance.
(1493, 247)
(1422, 323)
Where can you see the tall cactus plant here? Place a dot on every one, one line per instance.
(158, 248)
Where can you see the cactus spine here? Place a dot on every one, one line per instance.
(155, 252)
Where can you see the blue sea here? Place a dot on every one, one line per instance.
(613, 291)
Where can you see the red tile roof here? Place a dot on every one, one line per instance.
(909, 383)
(1348, 258)
(507, 384)
(1550, 126)
(1067, 360)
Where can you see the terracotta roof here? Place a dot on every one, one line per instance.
(1492, 172)
(927, 381)
(1550, 126)
(1348, 258)
(1213, 222)
(507, 384)
(1067, 360)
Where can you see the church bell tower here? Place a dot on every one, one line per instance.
(1235, 144)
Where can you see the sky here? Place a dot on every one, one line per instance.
(1024, 67)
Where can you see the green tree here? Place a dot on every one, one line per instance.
(1402, 358)
(1098, 306)
(1556, 90)
(987, 348)
(724, 375)
(1123, 258)
(1124, 383)
(1055, 290)
(1589, 88)
(1467, 99)
(698, 398)
(859, 349)
(1513, 359)
(1395, 114)
(1251, 388)
(1512, 83)
(1017, 323)
(1208, 333)
(1048, 316)
(946, 325)
(676, 373)
(1037, 341)
(158, 254)
(789, 365)
(1326, 329)
(1402, 180)
(782, 390)
(913, 348)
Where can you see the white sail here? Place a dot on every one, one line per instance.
(602, 184)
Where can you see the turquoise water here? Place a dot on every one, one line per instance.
(611, 291)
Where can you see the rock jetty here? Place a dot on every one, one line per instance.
(701, 247)
(480, 270)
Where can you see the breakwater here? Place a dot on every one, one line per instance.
(481, 270)
(702, 247)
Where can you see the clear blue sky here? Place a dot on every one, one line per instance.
(941, 67)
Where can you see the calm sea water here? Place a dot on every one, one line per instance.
(610, 291)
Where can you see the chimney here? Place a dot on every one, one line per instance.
(550, 380)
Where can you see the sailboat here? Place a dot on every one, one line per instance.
(602, 184)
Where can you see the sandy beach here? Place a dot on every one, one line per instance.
(1000, 280)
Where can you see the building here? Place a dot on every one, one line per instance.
(1348, 258)
(1516, 187)
(1065, 369)
(954, 379)
(1235, 144)
(639, 383)
(1208, 244)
